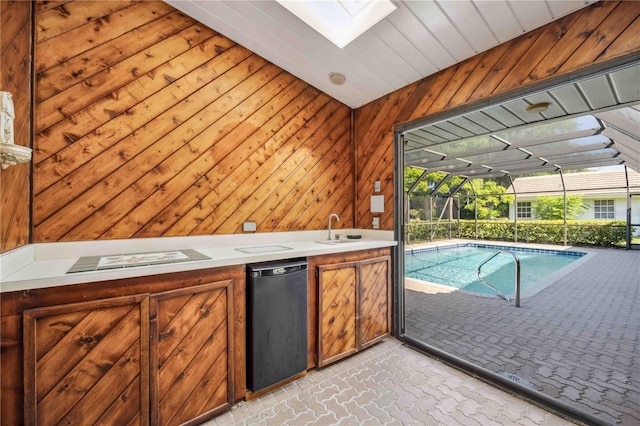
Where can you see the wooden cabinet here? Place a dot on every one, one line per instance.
(337, 311)
(375, 300)
(191, 352)
(100, 362)
(354, 309)
(87, 363)
(166, 349)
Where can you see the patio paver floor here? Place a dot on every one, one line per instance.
(387, 384)
(577, 340)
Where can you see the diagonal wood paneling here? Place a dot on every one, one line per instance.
(596, 34)
(337, 335)
(126, 148)
(150, 124)
(66, 313)
(375, 300)
(191, 352)
(84, 362)
(15, 77)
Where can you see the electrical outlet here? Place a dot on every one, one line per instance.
(249, 227)
(376, 186)
(376, 222)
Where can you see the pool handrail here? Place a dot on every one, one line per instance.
(517, 277)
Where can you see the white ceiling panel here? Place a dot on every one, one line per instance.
(495, 14)
(597, 92)
(529, 13)
(505, 117)
(626, 85)
(467, 20)
(416, 40)
(484, 120)
(430, 14)
(570, 99)
(420, 37)
(408, 53)
(560, 8)
(469, 125)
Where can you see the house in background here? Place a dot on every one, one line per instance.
(604, 192)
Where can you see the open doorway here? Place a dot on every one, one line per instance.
(554, 347)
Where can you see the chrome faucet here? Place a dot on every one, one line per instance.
(330, 217)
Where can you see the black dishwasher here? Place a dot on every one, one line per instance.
(277, 322)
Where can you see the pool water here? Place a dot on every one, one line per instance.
(457, 266)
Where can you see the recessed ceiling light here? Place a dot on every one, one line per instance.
(337, 78)
(340, 21)
(538, 108)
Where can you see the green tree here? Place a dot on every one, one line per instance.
(490, 201)
(411, 175)
(550, 207)
(420, 206)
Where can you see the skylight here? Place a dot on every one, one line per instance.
(340, 21)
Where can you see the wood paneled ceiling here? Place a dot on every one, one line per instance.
(418, 39)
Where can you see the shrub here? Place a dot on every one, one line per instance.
(579, 232)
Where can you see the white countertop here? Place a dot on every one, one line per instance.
(46, 264)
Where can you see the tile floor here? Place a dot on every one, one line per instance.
(577, 340)
(387, 384)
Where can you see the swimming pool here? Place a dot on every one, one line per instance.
(457, 265)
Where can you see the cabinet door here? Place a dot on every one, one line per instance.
(87, 363)
(191, 353)
(337, 290)
(375, 298)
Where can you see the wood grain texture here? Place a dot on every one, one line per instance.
(151, 124)
(87, 372)
(314, 296)
(599, 33)
(337, 319)
(375, 300)
(114, 127)
(11, 365)
(191, 353)
(15, 77)
(58, 325)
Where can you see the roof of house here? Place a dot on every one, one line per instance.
(596, 182)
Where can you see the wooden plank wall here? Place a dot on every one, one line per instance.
(149, 124)
(15, 77)
(596, 34)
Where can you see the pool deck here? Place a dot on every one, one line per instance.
(577, 339)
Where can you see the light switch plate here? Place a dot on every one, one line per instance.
(376, 186)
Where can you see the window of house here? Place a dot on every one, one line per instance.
(523, 210)
(603, 209)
